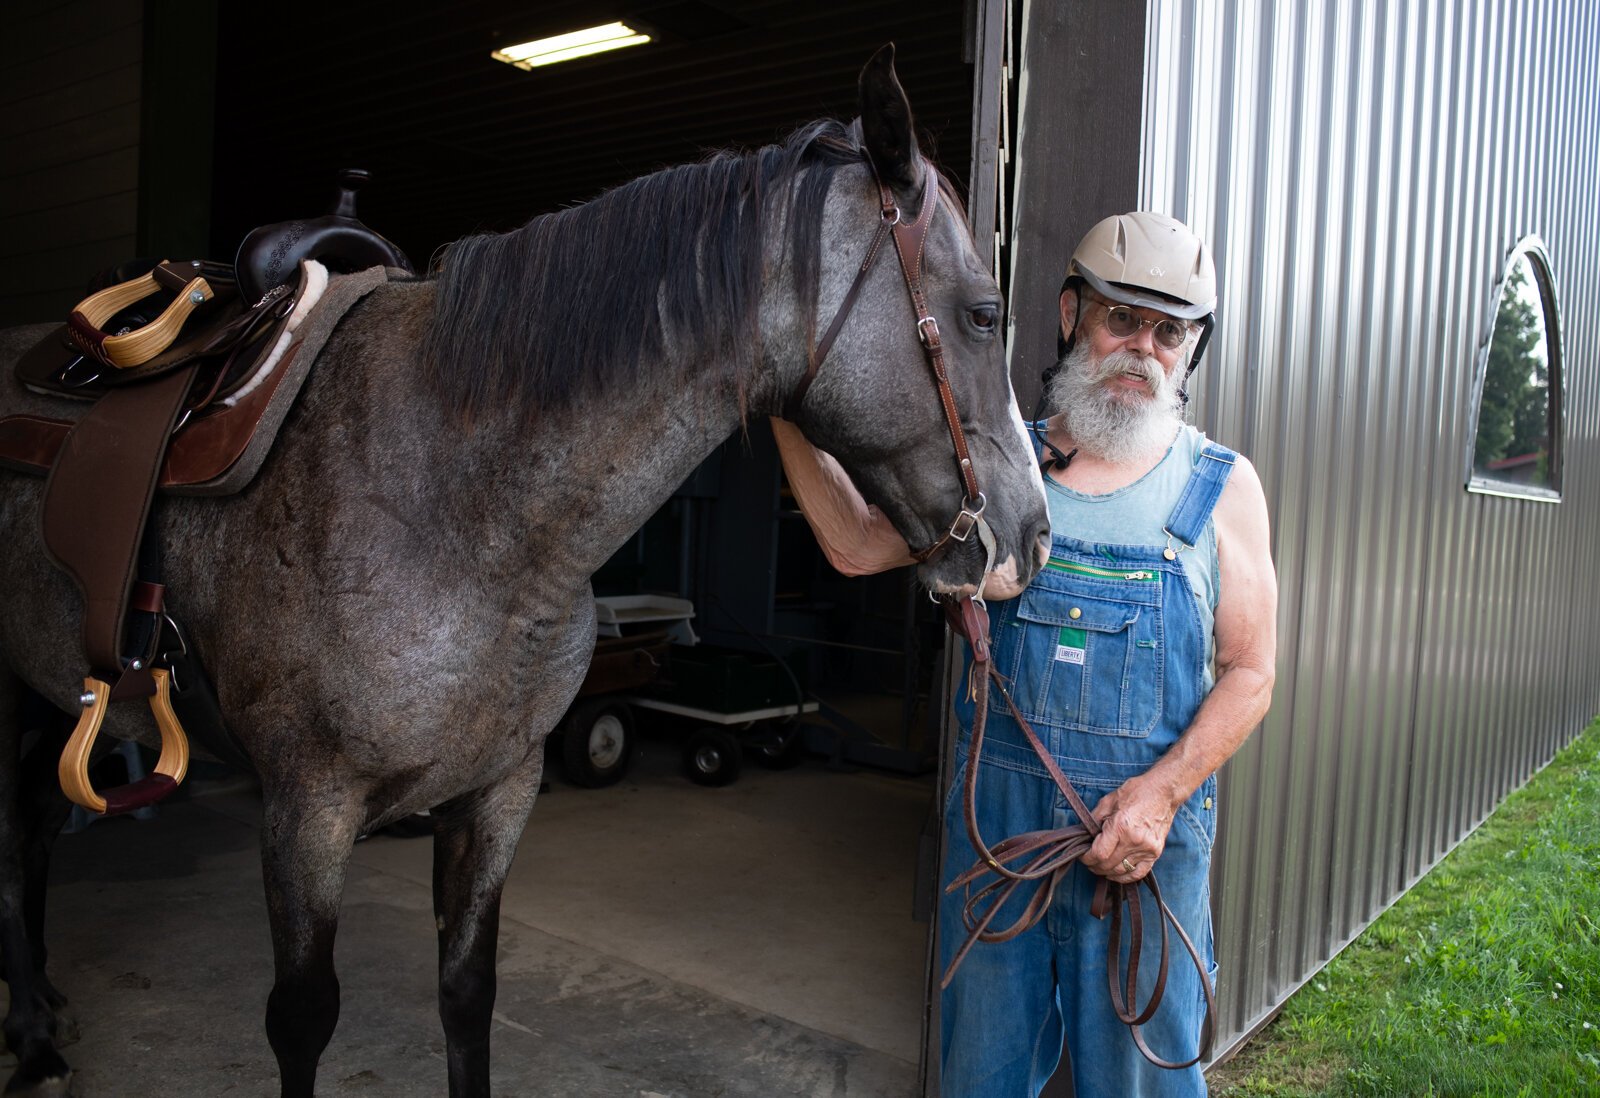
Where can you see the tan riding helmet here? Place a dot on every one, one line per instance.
(1149, 260)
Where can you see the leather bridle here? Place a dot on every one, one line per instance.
(1045, 856)
(909, 240)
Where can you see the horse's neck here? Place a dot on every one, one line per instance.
(571, 487)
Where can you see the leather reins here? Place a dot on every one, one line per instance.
(909, 240)
(1047, 855)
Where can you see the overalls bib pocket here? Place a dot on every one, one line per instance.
(1090, 658)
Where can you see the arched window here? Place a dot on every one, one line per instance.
(1517, 435)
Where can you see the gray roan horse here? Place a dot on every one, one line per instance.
(398, 610)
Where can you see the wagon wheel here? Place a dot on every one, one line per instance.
(712, 756)
(597, 742)
(781, 746)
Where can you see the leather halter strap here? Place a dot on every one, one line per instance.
(910, 238)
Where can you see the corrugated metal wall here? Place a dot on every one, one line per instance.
(1363, 171)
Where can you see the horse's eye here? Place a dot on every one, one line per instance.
(984, 317)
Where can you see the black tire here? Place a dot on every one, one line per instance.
(712, 756)
(597, 742)
(780, 746)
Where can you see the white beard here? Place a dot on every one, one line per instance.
(1120, 426)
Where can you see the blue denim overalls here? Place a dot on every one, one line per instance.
(1108, 654)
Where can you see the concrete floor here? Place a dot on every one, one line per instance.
(657, 939)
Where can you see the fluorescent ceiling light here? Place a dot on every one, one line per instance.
(566, 47)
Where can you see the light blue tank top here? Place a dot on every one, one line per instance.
(1137, 514)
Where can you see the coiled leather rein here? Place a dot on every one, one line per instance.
(1045, 857)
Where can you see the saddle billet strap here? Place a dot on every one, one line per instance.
(1045, 858)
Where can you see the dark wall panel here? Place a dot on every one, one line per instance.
(70, 78)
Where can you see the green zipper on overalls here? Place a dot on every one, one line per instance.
(1102, 573)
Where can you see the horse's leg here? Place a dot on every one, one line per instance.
(475, 837)
(29, 820)
(305, 846)
(45, 811)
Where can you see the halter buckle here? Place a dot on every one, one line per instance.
(923, 330)
(968, 518)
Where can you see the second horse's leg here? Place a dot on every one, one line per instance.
(305, 847)
(475, 838)
(30, 815)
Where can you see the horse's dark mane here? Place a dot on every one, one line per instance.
(578, 300)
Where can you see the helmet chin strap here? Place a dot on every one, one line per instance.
(1064, 345)
(1207, 325)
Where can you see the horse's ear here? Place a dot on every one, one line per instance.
(886, 128)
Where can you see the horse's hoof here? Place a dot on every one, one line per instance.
(42, 1080)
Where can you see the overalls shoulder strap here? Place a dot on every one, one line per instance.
(1200, 495)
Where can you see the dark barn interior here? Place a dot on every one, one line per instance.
(458, 143)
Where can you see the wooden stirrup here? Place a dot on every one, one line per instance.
(170, 768)
(142, 344)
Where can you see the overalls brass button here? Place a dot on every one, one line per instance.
(1074, 613)
(1169, 554)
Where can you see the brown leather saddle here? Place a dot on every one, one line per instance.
(173, 376)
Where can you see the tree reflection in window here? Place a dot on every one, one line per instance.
(1518, 411)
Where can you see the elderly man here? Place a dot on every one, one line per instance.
(1142, 656)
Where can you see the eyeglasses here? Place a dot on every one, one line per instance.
(1124, 323)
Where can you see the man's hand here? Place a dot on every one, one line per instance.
(1134, 821)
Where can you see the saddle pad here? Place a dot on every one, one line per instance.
(219, 451)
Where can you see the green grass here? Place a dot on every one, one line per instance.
(1484, 979)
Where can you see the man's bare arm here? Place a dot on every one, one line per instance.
(856, 537)
(1138, 815)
